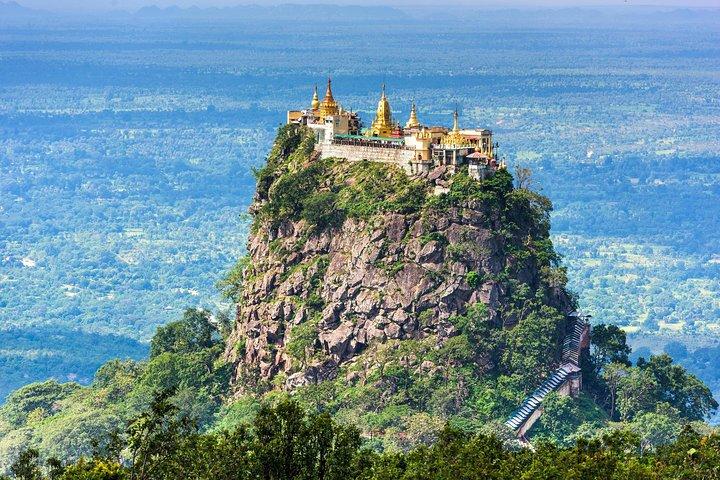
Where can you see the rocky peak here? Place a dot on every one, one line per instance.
(346, 256)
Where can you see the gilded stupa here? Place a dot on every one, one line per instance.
(328, 107)
(413, 120)
(454, 137)
(383, 125)
(315, 104)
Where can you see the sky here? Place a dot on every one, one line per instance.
(99, 5)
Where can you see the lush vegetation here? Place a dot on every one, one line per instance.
(401, 393)
(63, 419)
(284, 442)
(325, 192)
(409, 396)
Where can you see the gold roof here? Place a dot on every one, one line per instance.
(413, 120)
(328, 106)
(315, 100)
(383, 125)
(455, 137)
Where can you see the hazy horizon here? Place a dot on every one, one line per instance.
(130, 5)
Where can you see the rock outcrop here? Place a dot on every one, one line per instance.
(314, 297)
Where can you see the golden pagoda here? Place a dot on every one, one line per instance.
(413, 120)
(455, 138)
(315, 104)
(383, 125)
(328, 106)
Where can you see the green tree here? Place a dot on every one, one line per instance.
(608, 344)
(680, 389)
(637, 393)
(27, 465)
(657, 428)
(691, 456)
(42, 396)
(612, 375)
(193, 332)
(154, 438)
(531, 346)
(292, 445)
(94, 470)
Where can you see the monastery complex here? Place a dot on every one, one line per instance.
(416, 147)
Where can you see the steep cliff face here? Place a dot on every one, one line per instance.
(344, 257)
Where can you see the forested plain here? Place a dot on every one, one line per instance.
(127, 153)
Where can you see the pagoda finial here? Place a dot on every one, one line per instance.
(315, 100)
(328, 106)
(413, 120)
(328, 91)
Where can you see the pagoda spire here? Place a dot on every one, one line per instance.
(413, 120)
(315, 100)
(328, 107)
(328, 92)
(383, 125)
(455, 137)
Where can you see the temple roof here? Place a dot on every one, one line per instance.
(413, 120)
(328, 106)
(455, 137)
(315, 100)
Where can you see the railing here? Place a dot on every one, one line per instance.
(369, 143)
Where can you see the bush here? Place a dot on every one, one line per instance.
(193, 333)
(474, 279)
(321, 211)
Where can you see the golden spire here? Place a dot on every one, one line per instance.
(328, 92)
(383, 125)
(455, 137)
(413, 120)
(315, 100)
(328, 106)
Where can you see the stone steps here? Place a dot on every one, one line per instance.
(533, 401)
(570, 363)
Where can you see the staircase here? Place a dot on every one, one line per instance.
(571, 344)
(522, 419)
(531, 403)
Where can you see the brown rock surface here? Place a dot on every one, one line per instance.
(364, 282)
